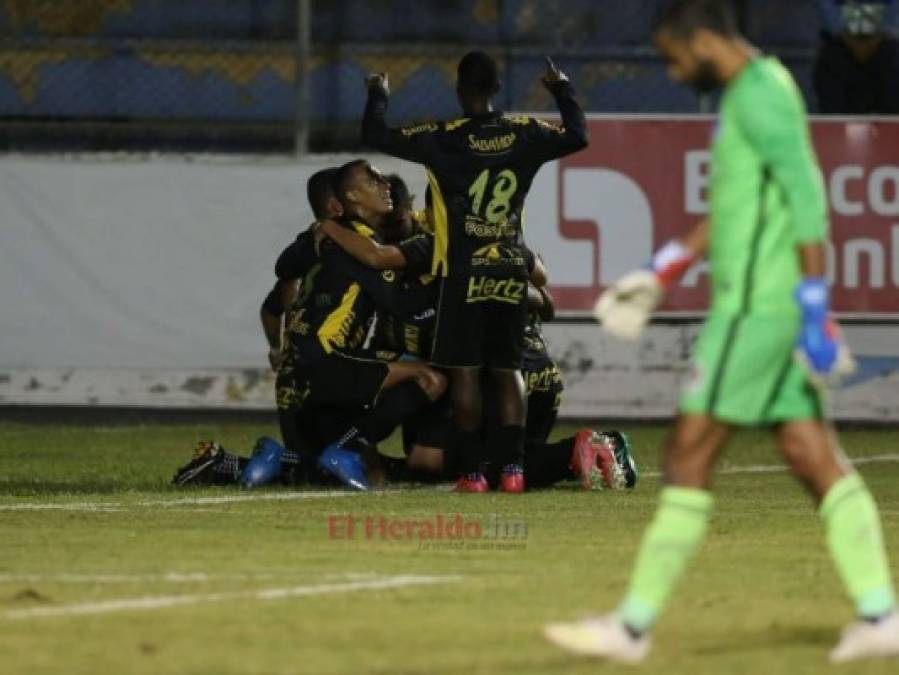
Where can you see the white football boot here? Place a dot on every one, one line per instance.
(868, 640)
(605, 637)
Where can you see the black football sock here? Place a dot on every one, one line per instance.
(506, 445)
(394, 467)
(395, 405)
(548, 463)
(287, 423)
(467, 451)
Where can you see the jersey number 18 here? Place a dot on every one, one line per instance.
(504, 185)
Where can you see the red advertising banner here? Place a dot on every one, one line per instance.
(643, 181)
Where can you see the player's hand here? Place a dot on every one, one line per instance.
(820, 346)
(823, 352)
(624, 308)
(553, 75)
(276, 358)
(378, 81)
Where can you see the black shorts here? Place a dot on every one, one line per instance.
(318, 426)
(480, 322)
(340, 380)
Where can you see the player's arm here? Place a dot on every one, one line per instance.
(550, 141)
(541, 302)
(271, 315)
(415, 144)
(537, 274)
(364, 249)
(413, 254)
(774, 121)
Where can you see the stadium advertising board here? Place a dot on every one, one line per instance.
(644, 180)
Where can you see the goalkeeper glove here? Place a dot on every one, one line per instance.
(624, 308)
(820, 346)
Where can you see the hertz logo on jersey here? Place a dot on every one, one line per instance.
(487, 289)
(491, 145)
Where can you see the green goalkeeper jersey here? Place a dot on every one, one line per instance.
(767, 194)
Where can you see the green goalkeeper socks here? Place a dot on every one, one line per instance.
(679, 526)
(856, 546)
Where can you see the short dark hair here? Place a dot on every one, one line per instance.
(684, 17)
(478, 74)
(319, 189)
(341, 181)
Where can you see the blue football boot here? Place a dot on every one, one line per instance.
(265, 464)
(345, 465)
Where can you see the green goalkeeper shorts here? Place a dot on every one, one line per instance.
(744, 372)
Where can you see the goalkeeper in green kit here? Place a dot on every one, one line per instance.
(765, 240)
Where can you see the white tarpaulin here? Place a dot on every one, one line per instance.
(145, 264)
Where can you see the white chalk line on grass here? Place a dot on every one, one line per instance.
(782, 468)
(182, 501)
(167, 577)
(167, 601)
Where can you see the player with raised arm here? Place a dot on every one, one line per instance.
(765, 241)
(480, 169)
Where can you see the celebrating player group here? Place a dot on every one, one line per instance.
(385, 317)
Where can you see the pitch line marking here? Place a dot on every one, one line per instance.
(167, 577)
(167, 601)
(782, 468)
(183, 501)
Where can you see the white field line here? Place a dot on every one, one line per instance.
(166, 601)
(183, 501)
(781, 468)
(168, 577)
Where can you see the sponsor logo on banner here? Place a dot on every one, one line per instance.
(603, 211)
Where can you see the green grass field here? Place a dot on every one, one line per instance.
(88, 524)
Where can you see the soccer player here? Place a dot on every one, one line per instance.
(765, 241)
(331, 334)
(480, 168)
(292, 266)
(210, 463)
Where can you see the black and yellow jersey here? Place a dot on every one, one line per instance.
(480, 170)
(340, 300)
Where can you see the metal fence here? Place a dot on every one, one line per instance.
(286, 75)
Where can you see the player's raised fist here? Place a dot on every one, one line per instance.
(378, 80)
(553, 75)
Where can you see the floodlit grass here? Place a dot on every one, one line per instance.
(105, 525)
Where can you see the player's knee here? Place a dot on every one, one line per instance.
(432, 383)
(425, 459)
